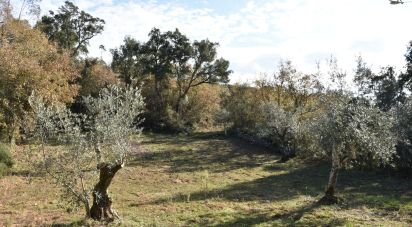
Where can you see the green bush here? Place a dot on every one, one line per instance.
(3, 169)
(6, 162)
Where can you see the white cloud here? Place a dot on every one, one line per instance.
(263, 31)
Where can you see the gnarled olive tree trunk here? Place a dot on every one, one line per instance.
(330, 189)
(102, 203)
(330, 197)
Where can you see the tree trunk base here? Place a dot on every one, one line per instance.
(286, 158)
(329, 200)
(101, 209)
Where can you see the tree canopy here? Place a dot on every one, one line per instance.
(100, 138)
(173, 61)
(71, 28)
(29, 63)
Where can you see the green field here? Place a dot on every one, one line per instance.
(208, 180)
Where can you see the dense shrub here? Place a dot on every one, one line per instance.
(403, 158)
(197, 110)
(280, 127)
(272, 115)
(201, 106)
(242, 103)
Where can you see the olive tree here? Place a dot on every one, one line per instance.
(280, 126)
(350, 132)
(100, 138)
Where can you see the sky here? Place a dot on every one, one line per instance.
(254, 35)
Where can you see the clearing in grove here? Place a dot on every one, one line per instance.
(207, 179)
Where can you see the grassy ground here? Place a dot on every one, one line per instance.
(208, 180)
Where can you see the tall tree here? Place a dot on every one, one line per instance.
(284, 79)
(30, 7)
(337, 76)
(71, 28)
(201, 66)
(158, 56)
(126, 61)
(363, 78)
(387, 89)
(405, 79)
(170, 58)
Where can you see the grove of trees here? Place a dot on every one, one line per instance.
(78, 113)
(169, 66)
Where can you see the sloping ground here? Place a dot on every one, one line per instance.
(208, 180)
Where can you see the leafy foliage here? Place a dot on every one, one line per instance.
(387, 90)
(175, 65)
(384, 88)
(405, 79)
(357, 132)
(125, 62)
(352, 133)
(363, 79)
(280, 126)
(6, 161)
(241, 102)
(275, 109)
(29, 63)
(403, 160)
(95, 75)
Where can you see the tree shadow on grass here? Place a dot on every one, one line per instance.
(356, 188)
(180, 139)
(291, 217)
(309, 180)
(86, 222)
(377, 191)
(200, 152)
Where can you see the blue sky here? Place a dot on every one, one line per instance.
(255, 34)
